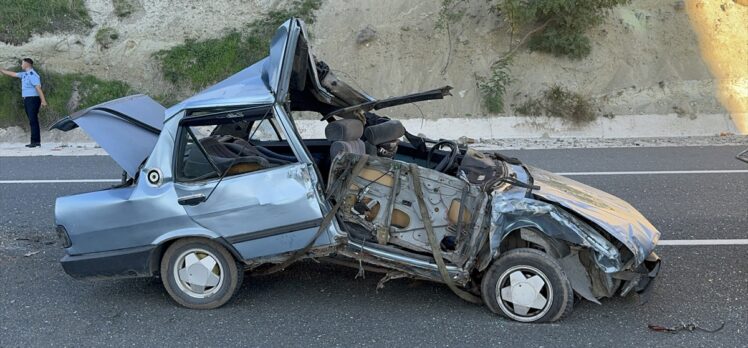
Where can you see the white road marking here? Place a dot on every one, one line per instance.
(699, 242)
(669, 172)
(58, 181)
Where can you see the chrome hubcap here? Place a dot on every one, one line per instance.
(524, 293)
(198, 273)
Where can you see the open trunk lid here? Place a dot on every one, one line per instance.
(126, 128)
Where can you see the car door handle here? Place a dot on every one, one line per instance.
(192, 199)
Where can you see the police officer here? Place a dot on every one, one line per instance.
(33, 97)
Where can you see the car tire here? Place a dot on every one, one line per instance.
(200, 273)
(527, 285)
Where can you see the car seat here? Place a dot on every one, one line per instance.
(382, 139)
(345, 135)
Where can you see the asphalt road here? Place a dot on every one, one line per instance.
(323, 305)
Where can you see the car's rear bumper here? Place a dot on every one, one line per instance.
(125, 263)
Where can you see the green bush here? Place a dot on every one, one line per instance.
(561, 24)
(558, 101)
(493, 87)
(561, 43)
(59, 91)
(106, 36)
(197, 64)
(123, 8)
(20, 19)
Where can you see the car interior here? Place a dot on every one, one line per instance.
(231, 142)
(250, 139)
(242, 140)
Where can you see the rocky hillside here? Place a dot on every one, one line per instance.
(645, 57)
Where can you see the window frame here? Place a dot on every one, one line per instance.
(179, 159)
(185, 124)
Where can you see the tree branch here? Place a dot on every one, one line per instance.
(524, 39)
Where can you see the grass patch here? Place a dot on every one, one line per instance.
(265, 27)
(106, 36)
(198, 64)
(20, 19)
(493, 87)
(123, 8)
(561, 42)
(558, 101)
(65, 94)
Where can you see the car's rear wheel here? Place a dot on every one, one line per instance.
(527, 285)
(199, 273)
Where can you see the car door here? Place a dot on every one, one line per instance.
(261, 211)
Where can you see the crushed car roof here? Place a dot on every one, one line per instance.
(255, 85)
(246, 87)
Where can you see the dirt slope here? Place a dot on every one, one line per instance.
(645, 57)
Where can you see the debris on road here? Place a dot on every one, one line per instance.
(390, 276)
(683, 327)
(31, 253)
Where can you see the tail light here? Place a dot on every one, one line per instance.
(62, 234)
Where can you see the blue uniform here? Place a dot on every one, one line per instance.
(31, 101)
(29, 80)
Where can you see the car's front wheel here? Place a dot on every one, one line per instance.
(199, 273)
(527, 285)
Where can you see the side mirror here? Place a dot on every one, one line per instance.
(192, 200)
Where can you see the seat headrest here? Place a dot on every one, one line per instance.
(344, 130)
(384, 132)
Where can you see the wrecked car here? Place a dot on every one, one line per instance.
(222, 184)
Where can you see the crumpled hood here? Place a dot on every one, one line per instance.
(614, 215)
